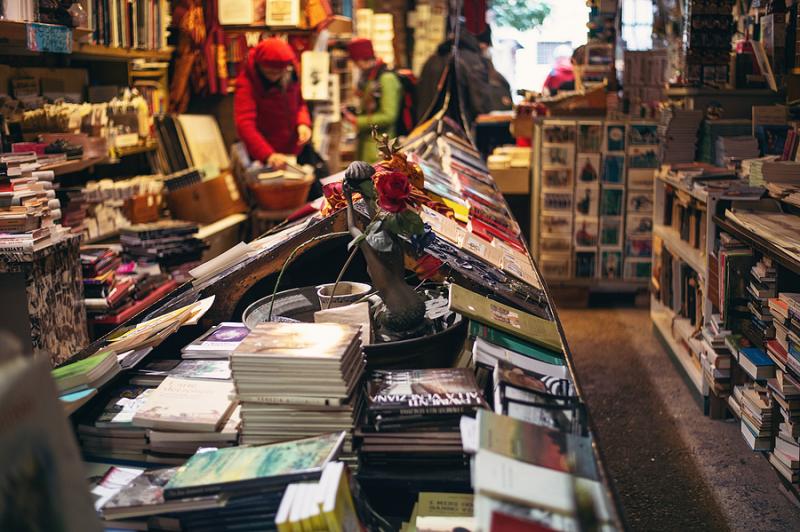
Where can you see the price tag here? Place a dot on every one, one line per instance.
(49, 38)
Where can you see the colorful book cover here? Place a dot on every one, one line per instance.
(238, 467)
(298, 340)
(187, 404)
(425, 391)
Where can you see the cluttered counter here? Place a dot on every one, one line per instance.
(388, 360)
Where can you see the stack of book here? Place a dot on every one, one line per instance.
(218, 342)
(235, 488)
(678, 134)
(410, 429)
(154, 373)
(326, 505)
(762, 287)
(169, 243)
(716, 358)
(89, 373)
(104, 291)
(566, 491)
(732, 150)
(29, 210)
(757, 416)
(298, 379)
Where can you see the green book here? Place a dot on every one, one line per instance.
(508, 319)
(253, 468)
(512, 343)
(80, 374)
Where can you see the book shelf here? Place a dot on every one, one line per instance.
(107, 53)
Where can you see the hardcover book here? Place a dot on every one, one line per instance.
(421, 392)
(498, 315)
(238, 468)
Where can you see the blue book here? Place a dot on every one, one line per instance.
(756, 363)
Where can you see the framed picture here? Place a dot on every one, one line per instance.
(610, 264)
(639, 247)
(640, 202)
(641, 178)
(558, 156)
(557, 177)
(590, 138)
(585, 233)
(585, 264)
(614, 169)
(643, 157)
(556, 224)
(555, 244)
(588, 168)
(643, 134)
(587, 201)
(615, 137)
(556, 133)
(637, 269)
(611, 232)
(555, 266)
(557, 201)
(639, 225)
(611, 201)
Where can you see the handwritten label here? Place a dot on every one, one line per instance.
(49, 38)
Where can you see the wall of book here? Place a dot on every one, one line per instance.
(593, 199)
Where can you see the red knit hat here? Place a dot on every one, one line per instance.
(274, 53)
(360, 49)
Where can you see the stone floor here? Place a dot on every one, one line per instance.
(673, 468)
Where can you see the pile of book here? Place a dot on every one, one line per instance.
(732, 150)
(219, 342)
(237, 488)
(751, 402)
(169, 243)
(761, 288)
(77, 382)
(677, 132)
(326, 505)
(532, 477)
(298, 379)
(769, 170)
(716, 357)
(29, 210)
(104, 291)
(409, 434)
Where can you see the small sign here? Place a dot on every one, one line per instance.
(49, 38)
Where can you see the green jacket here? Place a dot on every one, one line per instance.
(384, 116)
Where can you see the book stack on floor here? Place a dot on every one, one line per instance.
(321, 506)
(410, 435)
(762, 287)
(29, 210)
(678, 134)
(298, 379)
(567, 493)
(755, 409)
(169, 243)
(716, 358)
(238, 488)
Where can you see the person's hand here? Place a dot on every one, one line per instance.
(303, 134)
(277, 161)
(348, 116)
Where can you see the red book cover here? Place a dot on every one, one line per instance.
(508, 523)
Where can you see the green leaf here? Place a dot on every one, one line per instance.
(367, 189)
(521, 15)
(380, 241)
(410, 222)
(392, 224)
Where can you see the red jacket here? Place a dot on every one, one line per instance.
(561, 74)
(267, 119)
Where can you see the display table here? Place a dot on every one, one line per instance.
(43, 299)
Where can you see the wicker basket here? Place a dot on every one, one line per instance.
(282, 194)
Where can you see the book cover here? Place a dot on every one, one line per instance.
(509, 342)
(225, 338)
(498, 315)
(187, 404)
(238, 467)
(426, 391)
(325, 341)
(528, 384)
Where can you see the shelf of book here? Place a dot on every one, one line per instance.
(665, 322)
(99, 52)
(77, 165)
(699, 195)
(692, 256)
(15, 33)
(758, 243)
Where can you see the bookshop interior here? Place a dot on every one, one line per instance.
(399, 265)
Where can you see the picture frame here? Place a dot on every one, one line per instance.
(615, 137)
(587, 168)
(611, 201)
(586, 233)
(639, 225)
(637, 269)
(611, 231)
(639, 201)
(590, 137)
(558, 156)
(557, 178)
(643, 134)
(585, 264)
(555, 244)
(610, 264)
(558, 133)
(641, 178)
(556, 224)
(556, 266)
(556, 201)
(614, 169)
(643, 157)
(641, 247)
(587, 201)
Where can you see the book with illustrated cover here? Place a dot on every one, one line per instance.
(291, 341)
(520, 384)
(187, 405)
(241, 468)
(498, 315)
(422, 392)
(89, 372)
(120, 409)
(144, 496)
(218, 342)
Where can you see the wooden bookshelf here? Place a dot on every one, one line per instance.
(108, 53)
(77, 165)
(692, 256)
(760, 244)
(15, 33)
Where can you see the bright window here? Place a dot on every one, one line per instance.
(637, 24)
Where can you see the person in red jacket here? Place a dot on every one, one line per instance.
(272, 119)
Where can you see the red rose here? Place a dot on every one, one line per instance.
(393, 190)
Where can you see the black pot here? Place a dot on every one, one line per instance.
(438, 350)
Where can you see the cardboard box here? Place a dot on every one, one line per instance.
(207, 201)
(512, 180)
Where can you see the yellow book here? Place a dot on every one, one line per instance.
(282, 516)
(337, 507)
